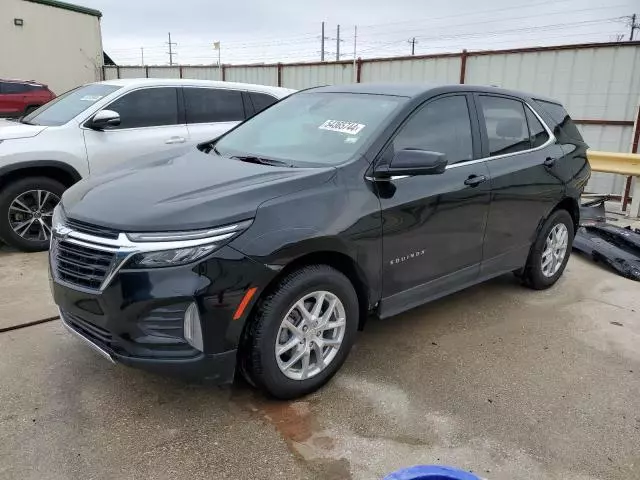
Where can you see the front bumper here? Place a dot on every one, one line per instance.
(138, 319)
(219, 368)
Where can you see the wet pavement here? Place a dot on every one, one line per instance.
(505, 381)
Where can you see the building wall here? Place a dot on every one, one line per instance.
(59, 47)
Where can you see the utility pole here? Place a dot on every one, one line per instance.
(141, 55)
(355, 39)
(338, 44)
(322, 44)
(170, 52)
(412, 42)
(634, 26)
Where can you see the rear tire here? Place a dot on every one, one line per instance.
(549, 254)
(322, 338)
(19, 205)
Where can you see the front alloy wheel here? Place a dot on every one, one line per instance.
(301, 332)
(310, 335)
(30, 214)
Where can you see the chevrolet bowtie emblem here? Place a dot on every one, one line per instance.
(62, 230)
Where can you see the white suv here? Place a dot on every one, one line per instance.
(97, 126)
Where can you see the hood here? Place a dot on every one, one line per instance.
(185, 192)
(11, 130)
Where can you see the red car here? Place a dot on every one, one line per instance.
(19, 97)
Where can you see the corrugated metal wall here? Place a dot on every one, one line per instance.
(429, 70)
(304, 76)
(162, 72)
(593, 83)
(252, 74)
(202, 73)
(132, 72)
(598, 83)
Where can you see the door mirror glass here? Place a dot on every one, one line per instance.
(104, 119)
(414, 162)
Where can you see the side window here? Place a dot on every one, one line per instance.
(150, 107)
(208, 105)
(564, 126)
(506, 125)
(11, 87)
(537, 134)
(442, 125)
(261, 101)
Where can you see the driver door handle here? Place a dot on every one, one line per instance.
(475, 180)
(173, 140)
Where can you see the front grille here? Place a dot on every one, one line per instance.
(82, 266)
(91, 229)
(88, 329)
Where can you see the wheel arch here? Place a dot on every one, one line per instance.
(571, 205)
(335, 259)
(59, 171)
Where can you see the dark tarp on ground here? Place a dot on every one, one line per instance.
(616, 247)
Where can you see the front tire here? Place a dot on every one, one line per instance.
(550, 252)
(26, 208)
(302, 332)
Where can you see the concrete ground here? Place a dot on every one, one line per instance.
(505, 381)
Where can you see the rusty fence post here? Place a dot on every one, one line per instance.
(463, 66)
(634, 149)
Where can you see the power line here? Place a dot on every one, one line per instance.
(311, 37)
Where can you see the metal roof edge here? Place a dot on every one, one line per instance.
(68, 6)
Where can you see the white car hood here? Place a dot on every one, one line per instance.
(10, 130)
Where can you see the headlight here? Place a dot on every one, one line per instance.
(165, 258)
(167, 249)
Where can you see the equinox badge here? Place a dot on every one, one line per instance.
(410, 256)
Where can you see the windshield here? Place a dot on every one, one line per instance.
(68, 105)
(316, 128)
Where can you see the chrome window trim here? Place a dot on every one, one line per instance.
(551, 140)
(124, 248)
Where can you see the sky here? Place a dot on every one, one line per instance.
(260, 31)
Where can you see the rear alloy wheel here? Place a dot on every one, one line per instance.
(301, 333)
(550, 252)
(26, 210)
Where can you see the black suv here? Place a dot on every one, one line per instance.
(266, 249)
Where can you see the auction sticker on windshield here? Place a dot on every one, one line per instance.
(91, 98)
(351, 128)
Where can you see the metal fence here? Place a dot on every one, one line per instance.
(598, 83)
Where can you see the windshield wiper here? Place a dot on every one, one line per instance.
(262, 161)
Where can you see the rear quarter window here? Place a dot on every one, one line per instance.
(261, 101)
(563, 124)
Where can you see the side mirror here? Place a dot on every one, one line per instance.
(413, 162)
(104, 119)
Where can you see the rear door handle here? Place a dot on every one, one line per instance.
(549, 162)
(475, 180)
(173, 140)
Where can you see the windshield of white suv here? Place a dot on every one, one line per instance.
(68, 105)
(310, 129)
